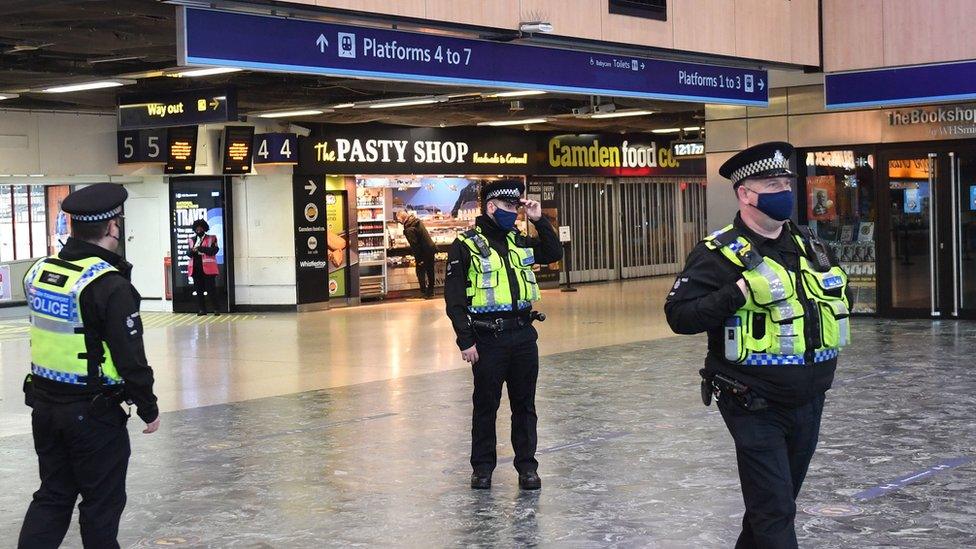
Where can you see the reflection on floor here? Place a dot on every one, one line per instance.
(629, 456)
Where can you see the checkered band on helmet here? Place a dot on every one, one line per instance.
(104, 216)
(504, 194)
(778, 162)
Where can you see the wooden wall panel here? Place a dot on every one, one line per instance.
(501, 14)
(578, 18)
(704, 25)
(405, 8)
(762, 30)
(637, 30)
(928, 32)
(805, 32)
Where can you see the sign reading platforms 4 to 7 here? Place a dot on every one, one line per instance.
(218, 38)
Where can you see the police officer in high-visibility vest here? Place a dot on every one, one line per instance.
(490, 289)
(87, 358)
(775, 305)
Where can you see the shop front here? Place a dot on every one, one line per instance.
(901, 214)
(605, 188)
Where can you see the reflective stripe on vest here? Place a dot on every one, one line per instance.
(53, 287)
(488, 283)
(774, 296)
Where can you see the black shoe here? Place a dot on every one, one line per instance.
(201, 313)
(216, 313)
(530, 481)
(480, 481)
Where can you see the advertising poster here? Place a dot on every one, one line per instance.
(821, 197)
(190, 200)
(6, 290)
(545, 191)
(972, 198)
(916, 198)
(337, 241)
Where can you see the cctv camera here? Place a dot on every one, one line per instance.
(531, 27)
(301, 131)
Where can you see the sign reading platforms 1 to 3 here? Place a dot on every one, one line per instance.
(217, 38)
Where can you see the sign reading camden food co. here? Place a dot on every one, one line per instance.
(622, 155)
(943, 121)
(395, 150)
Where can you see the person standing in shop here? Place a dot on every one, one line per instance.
(775, 304)
(203, 266)
(423, 250)
(87, 357)
(489, 292)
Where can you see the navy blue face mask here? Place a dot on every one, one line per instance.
(778, 206)
(505, 219)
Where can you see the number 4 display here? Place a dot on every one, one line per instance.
(276, 148)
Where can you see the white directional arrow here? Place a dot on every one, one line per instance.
(322, 43)
(642, 65)
(310, 187)
(762, 85)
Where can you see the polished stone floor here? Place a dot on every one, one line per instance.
(351, 428)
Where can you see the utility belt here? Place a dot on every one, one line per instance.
(716, 384)
(110, 396)
(499, 325)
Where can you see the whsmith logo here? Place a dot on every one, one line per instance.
(944, 115)
(591, 154)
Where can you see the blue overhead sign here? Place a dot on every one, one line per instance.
(217, 38)
(901, 86)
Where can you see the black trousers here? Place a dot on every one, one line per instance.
(425, 275)
(773, 449)
(204, 285)
(79, 454)
(511, 358)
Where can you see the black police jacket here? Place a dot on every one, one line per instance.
(108, 305)
(546, 248)
(705, 294)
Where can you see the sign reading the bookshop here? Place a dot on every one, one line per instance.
(177, 109)
(142, 146)
(621, 155)
(237, 149)
(217, 38)
(901, 86)
(395, 150)
(943, 121)
(181, 144)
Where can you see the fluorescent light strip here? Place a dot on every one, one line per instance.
(286, 114)
(518, 93)
(692, 129)
(514, 122)
(88, 86)
(667, 130)
(8, 96)
(207, 72)
(621, 114)
(403, 103)
(343, 106)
